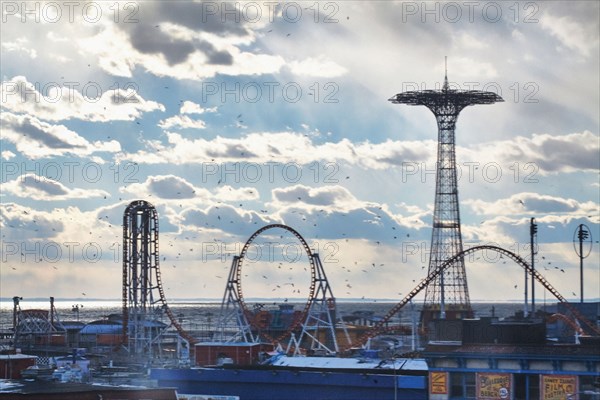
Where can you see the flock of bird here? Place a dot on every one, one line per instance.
(276, 286)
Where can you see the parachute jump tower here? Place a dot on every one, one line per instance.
(448, 295)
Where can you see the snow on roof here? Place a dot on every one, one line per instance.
(350, 363)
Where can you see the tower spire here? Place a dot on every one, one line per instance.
(446, 86)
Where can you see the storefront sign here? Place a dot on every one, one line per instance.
(493, 386)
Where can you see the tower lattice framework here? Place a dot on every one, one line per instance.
(449, 293)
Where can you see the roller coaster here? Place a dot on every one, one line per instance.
(317, 315)
(144, 297)
(380, 326)
(311, 291)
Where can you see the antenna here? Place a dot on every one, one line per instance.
(446, 66)
(446, 86)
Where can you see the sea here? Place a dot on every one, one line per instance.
(196, 314)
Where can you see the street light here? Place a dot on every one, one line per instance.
(75, 308)
(582, 235)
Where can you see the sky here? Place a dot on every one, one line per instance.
(231, 116)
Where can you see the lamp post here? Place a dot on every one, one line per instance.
(582, 234)
(75, 308)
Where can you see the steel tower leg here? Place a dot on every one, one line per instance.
(319, 328)
(233, 326)
(446, 239)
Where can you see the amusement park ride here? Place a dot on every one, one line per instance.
(245, 330)
(144, 302)
(319, 313)
(315, 327)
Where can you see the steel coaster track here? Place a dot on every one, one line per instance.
(162, 298)
(311, 296)
(182, 332)
(380, 326)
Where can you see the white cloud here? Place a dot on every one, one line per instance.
(283, 147)
(180, 191)
(7, 154)
(37, 139)
(54, 103)
(319, 66)
(19, 46)
(548, 153)
(334, 212)
(532, 203)
(228, 219)
(469, 42)
(41, 188)
(182, 122)
(53, 36)
(466, 67)
(331, 197)
(189, 107)
(228, 193)
(119, 57)
(167, 187)
(572, 34)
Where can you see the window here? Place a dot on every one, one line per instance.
(527, 386)
(590, 384)
(534, 386)
(470, 385)
(456, 385)
(520, 386)
(462, 385)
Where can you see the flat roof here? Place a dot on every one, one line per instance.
(351, 363)
(42, 387)
(232, 344)
(16, 356)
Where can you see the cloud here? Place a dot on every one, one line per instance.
(181, 41)
(53, 102)
(471, 68)
(182, 121)
(18, 222)
(334, 212)
(470, 42)
(228, 193)
(547, 153)
(167, 187)
(7, 154)
(41, 188)
(317, 66)
(532, 203)
(19, 46)
(37, 139)
(333, 197)
(282, 147)
(550, 153)
(189, 107)
(571, 33)
(225, 218)
(171, 187)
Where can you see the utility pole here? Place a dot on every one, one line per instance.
(582, 234)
